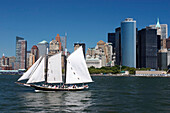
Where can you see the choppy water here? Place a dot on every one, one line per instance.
(107, 94)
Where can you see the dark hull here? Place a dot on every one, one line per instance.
(40, 88)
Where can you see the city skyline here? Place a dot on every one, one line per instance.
(84, 21)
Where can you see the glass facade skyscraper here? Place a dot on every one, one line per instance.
(111, 39)
(21, 53)
(118, 45)
(147, 48)
(128, 42)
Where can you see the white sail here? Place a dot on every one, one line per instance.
(54, 69)
(77, 71)
(30, 71)
(38, 75)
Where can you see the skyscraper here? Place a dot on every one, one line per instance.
(54, 47)
(57, 38)
(42, 46)
(111, 39)
(32, 56)
(128, 42)
(28, 55)
(118, 45)
(35, 52)
(162, 29)
(109, 54)
(17, 52)
(147, 48)
(21, 53)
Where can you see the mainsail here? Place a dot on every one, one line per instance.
(54, 69)
(77, 71)
(38, 75)
(30, 71)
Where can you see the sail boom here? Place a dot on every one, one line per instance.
(54, 82)
(88, 82)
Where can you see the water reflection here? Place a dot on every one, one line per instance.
(106, 94)
(56, 101)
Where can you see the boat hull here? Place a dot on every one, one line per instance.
(40, 88)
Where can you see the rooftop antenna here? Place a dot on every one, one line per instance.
(158, 24)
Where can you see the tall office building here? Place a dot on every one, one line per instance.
(57, 38)
(128, 42)
(42, 46)
(77, 45)
(12, 61)
(100, 46)
(33, 56)
(31, 60)
(109, 54)
(111, 39)
(162, 29)
(28, 55)
(54, 47)
(118, 45)
(4, 61)
(35, 52)
(21, 53)
(168, 59)
(17, 52)
(147, 48)
(23, 64)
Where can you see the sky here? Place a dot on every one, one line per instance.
(86, 21)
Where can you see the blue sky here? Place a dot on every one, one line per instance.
(84, 20)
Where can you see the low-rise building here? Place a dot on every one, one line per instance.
(95, 62)
(151, 73)
(7, 63)
(100, 56)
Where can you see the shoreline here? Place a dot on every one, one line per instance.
(120, 75)
(114, 75)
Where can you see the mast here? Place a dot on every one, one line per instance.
(46, 66)
(65, 65)
(65, 58)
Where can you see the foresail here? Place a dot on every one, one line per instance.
(30, 71)
(38, 75)
(54, 69)
(77, 71)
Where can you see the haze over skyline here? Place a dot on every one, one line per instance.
(85, 21)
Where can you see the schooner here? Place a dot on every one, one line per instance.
(48, 71)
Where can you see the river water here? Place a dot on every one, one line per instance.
(106, 94)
